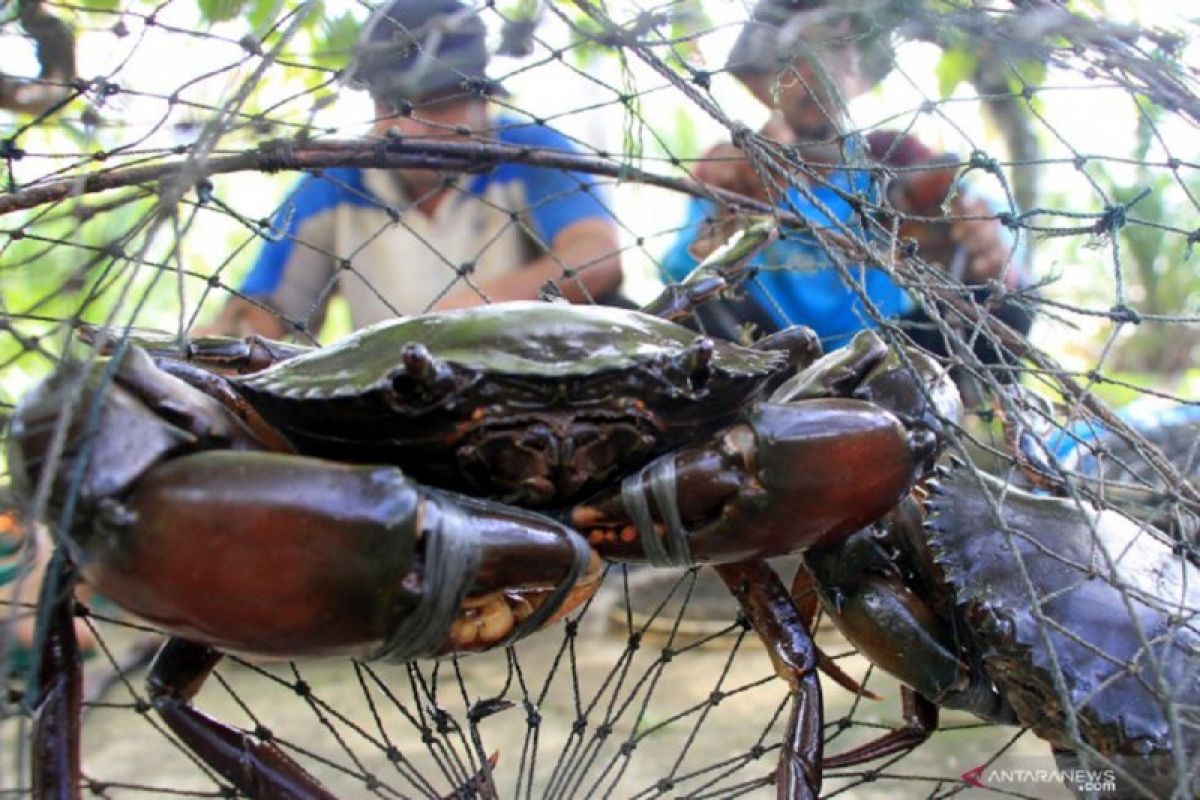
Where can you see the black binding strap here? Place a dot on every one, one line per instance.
(671, 550)
(583, 556)
(451, 562)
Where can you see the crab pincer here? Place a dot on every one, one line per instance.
(832, 449)
(188, 520)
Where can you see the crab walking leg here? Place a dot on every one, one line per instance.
(254, 765)
(226, 353)
(877, 588)
(55, 756)
(920, 721)
(778, 622)
(725, 267)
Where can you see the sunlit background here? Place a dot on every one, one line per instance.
(169, 82)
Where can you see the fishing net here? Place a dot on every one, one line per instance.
(150, 155)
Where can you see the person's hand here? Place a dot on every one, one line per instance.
(985, 251)
(725, 166)
(970, 244)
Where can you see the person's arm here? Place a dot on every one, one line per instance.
(291, 273)
(241, 316)
(587, 248)
(568, 214)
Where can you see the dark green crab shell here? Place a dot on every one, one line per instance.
(414, 392)
(1099, 620)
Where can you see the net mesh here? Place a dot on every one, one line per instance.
(151, 153)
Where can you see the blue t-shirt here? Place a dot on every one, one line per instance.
(797, 283)
(354, 229)
(1155, 418)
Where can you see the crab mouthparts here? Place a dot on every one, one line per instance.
(553, 458)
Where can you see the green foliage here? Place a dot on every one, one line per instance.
(684, 142)
(335, 43)
(586, 41)
(687, 22)
(1152, 252)
(220, 10)
(957, 65)
(261, 14)
(64, 270)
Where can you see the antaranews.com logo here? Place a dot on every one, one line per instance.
(1079, 780)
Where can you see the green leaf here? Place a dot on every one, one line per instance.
(954, 67)
(1028, 73)
(262, 15)
(101, 5)
(1032, 72)
(314, 16)
(689, 20)
(337, 39)
(683, 140)
(220, 10)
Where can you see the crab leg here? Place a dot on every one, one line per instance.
(920, 721)
(55, 756)
(838, 446)
(724, 268)
(254, 765)
(789, 478)
(226, 353)
(778, 622)
(267, 553)
(879, 588)
(222, 549)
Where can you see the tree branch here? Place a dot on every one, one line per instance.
(282, 155)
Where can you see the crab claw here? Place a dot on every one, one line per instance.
(791, 477)
(835, 448)
(907, 382)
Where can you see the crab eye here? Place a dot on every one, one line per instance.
(695, 361)
(418, 363)
(420, 379)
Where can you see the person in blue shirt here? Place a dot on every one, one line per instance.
(405, 241)
(804, 60)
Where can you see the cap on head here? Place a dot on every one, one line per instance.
(415, 49)
(775, 35)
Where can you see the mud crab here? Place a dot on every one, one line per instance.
(249, 496)
(1082, 625)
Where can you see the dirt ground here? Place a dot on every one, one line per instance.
(590, 716)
